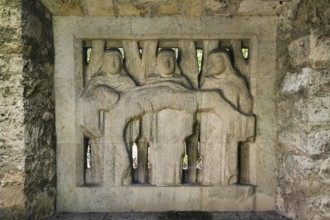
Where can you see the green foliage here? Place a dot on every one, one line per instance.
(185, 162)
(199, 59)
(245, 52)
(88, 54)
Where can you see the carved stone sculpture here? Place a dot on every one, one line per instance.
(100, 116)
(219, 141)
(101, 92)
(166, 106)
(169, 128)
(154, 98)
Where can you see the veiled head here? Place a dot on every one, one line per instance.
(166, 63)
(112, 62)
(219, 62)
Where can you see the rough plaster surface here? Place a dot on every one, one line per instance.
(303, 104)
(27, 173)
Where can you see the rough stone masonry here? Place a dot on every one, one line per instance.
(27, 137)
(303, 152)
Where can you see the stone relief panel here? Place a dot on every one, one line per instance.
(148, 129)
(188, 126)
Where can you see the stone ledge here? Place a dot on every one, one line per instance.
(172, 215)
(156, 199)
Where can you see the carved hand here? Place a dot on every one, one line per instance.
(146, 105)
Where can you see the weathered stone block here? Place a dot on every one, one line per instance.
(292, 112)
(229, 199)
(266, 167)
(317, 144)
(172, 8)
(311, 49)
(64, 7)
(213, 7)
(166, 198)
(128, 9)
(304, 168)
(319, 51)
(299, 51)
(264, 201)
(156, 199)
(11, 189)
(165, 25)
(265, 127)
(100, 8)
(292, 139)
(295, 82)
(318, 206)
(66, 130)
(192, 7)
(319, 83)
(318, 109)
(260, 7)
(67, 167)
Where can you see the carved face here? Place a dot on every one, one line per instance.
(111, 63)
(217, 64)
(166, 64)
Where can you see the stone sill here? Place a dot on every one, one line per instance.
(271, 215)
(156, 199)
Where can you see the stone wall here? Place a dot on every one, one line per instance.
(27, 137)
(12, 200)
(164, 7)
(303, 162)
(38, 55)
(12, 175)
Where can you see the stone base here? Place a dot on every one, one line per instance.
(156, 199)
(171, 216)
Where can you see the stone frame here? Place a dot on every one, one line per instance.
(73, 196)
